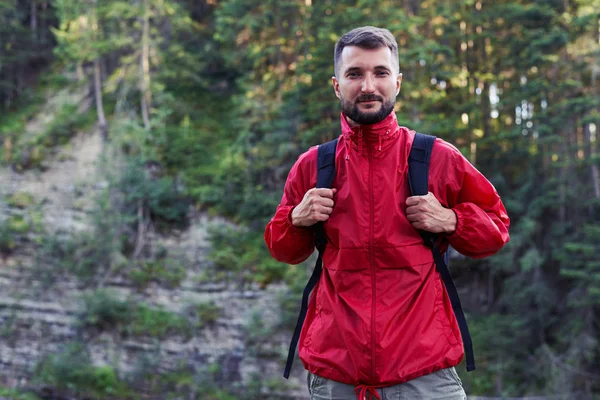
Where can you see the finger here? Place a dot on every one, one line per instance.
(412, 210)
(326, 202)
(414, 217)
(419, 225)
(323, 192)
(322, 217)
(326, 210)
(414, 200)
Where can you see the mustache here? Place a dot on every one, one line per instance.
(368, 97)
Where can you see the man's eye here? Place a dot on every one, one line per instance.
(352, 75)
(382, 73)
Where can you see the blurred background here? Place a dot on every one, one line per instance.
(145, 145)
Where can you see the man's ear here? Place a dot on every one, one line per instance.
(398, 83)
(336, 86)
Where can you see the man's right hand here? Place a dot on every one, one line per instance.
(316, 206)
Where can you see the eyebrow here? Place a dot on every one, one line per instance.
(355, 69)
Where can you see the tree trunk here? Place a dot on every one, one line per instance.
(592, 144)
(145, 65)
(33, 21)
(43, 18)
(141, 233)
(98, 94)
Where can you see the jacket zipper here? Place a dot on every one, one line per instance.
(371, 260)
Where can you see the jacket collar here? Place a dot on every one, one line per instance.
(376, 137)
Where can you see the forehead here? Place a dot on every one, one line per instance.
(356, 57)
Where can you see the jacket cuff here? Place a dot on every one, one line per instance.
(296, 230)
(459, 225)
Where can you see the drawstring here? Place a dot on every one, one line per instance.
(379, 147)
(362, 391)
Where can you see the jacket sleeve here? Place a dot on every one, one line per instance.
(287, 243)
(482, 221)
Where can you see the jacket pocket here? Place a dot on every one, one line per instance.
(441, 312)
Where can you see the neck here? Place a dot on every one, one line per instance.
(351, 122)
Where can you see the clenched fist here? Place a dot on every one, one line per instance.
(316, 206)
(427, 214)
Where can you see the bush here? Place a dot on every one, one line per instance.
(20, 200)
(158, 323)
(102, 311)
(16, 394)
(159, 197)
(19, 223)
(28, 151)
(168, 272)
(242, 254)
(72, 371)
(206, 313)
(7, 239)
(83, 256)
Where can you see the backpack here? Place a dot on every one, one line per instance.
(418, 178)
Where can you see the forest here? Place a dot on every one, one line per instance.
(204, 106)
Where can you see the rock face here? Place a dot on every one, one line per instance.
(38, 318)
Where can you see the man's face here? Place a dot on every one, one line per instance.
(367, 84)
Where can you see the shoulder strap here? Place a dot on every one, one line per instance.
(418, 164)
(418, 181)
(325, 176)
(326, 164)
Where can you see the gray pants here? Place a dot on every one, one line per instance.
(443, 384)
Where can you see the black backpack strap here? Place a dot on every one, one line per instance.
(325, 175)
(418, 179)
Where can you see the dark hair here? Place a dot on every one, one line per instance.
(366, 37)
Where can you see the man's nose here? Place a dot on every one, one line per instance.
(368, 84)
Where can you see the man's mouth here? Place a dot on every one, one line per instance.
(368, 100)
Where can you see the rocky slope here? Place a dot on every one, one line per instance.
(38, 318)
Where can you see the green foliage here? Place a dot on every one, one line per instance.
(582, 266)
(158, 323)
(16, 394)
(157, 196)
(207, 313)
(84, 255)
(132, 199)
(7, 239)
(26, 49)
(103, 311)
(18, 224)
(240, 255)
(258, 333)
(71, 370)
(20, 200)
(289, 300)
(23, 222)
(168, 272)
(239, 89)
(31, 149)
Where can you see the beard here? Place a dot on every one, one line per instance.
(351, 110)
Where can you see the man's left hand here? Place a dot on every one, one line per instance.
(427, 214)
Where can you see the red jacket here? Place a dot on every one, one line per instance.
(380, 314)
